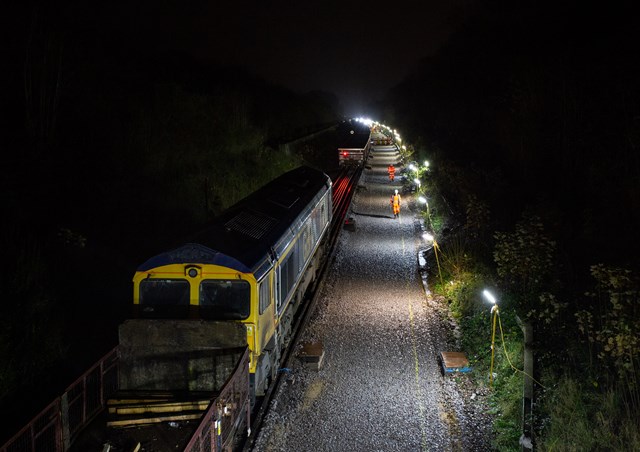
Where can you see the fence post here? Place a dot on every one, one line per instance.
(526, 441)
(64, 417)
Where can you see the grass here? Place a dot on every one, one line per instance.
(583, 418)
(571, 414)
(463, 294)
(507, 397)
(592, 403)
(462, 287)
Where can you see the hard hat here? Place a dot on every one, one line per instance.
(396, 192)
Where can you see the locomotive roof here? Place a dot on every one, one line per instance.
(244, 234)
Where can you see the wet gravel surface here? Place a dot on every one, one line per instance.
(379, 387)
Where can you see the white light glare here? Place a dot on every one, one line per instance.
(489, 296)
(422, 199)
(428, 237)
(412, 168)
(426, 163)
(417, 181)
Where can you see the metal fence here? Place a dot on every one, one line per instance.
(220, 425)
(53, 429)
(43, 433)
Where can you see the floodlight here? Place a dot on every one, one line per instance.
(489, 296)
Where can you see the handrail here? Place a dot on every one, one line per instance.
(54, 428)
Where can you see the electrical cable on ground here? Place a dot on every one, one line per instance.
(504, 348)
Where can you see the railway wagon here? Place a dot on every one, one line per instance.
(354, 140)
(355, 150)
(241, 279)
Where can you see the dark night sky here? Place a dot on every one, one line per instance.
(357, 50)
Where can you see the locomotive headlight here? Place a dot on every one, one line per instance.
(427, 237)
(192, 271)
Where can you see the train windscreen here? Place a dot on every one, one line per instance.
(223, 299)
(164, 292)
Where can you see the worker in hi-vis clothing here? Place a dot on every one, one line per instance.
(395, 203)
(392, 172)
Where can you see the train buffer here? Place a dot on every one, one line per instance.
(312, 354)
(454, 362)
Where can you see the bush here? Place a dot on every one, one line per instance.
(613, 323)
(463, 295)
(524, 260)
(506, 396)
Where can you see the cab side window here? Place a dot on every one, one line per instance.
(264, 295)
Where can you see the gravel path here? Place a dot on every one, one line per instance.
(379, 387)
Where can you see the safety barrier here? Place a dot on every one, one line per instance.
(53, 428)
(218, 429)
(43, 433)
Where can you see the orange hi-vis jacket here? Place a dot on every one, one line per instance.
(395, 202)
(392, 172)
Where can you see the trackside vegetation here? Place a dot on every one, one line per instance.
(532, 135)
(115, 154)
(586, 347)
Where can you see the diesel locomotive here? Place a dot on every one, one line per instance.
(237, 283)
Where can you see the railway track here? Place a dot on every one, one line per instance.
(344, 187)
